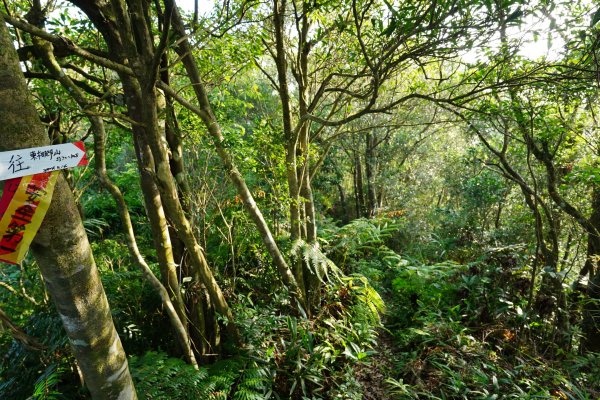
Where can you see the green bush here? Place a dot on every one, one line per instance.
(315, 358)
(157, 376)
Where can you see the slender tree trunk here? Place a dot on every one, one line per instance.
(304, 168)
(355, 187)
(292, 145)
(62, 250)
(591, 321)
(30, 342)
(205, 329)
(498, 215)
(172, 301)
(126, 30)
(143, 105)
(358, 186)
(591, 317)
(312, 284)
(370, 164)
(175, 142)
(310, 213)
(345, 215)
(206, 114)
(291, 137)
(161, 238)
(593, 242)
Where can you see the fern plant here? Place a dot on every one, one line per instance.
(28, 373)
(316, 260)
(361, 237)
(45, 386)
(254, 383)
(157, 376)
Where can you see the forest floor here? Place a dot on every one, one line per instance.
(373, 374)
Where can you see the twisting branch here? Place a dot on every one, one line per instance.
(15, 292)
(100, 165)
(62, 41)
(19, 334)
(206, 114)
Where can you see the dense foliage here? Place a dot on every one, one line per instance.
(432, 186)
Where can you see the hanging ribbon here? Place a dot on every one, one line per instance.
(23, 207)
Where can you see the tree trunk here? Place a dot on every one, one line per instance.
(142, 105)
(130, 41)
(593, 243)
(358, 186)
(205, 328)
(312, 284)
(62, 250)
(162, 242)
(291, 137)
(344, 216)
(205, 112)
(370, 171)
(591, 316)
(171, 295)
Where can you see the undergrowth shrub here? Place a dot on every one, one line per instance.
(156, 376)
(467, 333)
(314, 359)
(40, 374)
(359, 242)
(285, 357)
(44, 367)
(137, 311)
(463, 330)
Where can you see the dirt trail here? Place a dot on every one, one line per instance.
(379, 367)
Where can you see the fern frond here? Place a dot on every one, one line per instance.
(317, 262)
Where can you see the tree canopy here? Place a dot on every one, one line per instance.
(308, 199)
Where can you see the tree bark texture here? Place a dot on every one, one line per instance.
(178, 317)
(125, 29)
(62, 250)
(205, 329)
(591, 321)
(358, 185)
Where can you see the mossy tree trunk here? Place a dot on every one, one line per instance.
(127, 32)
